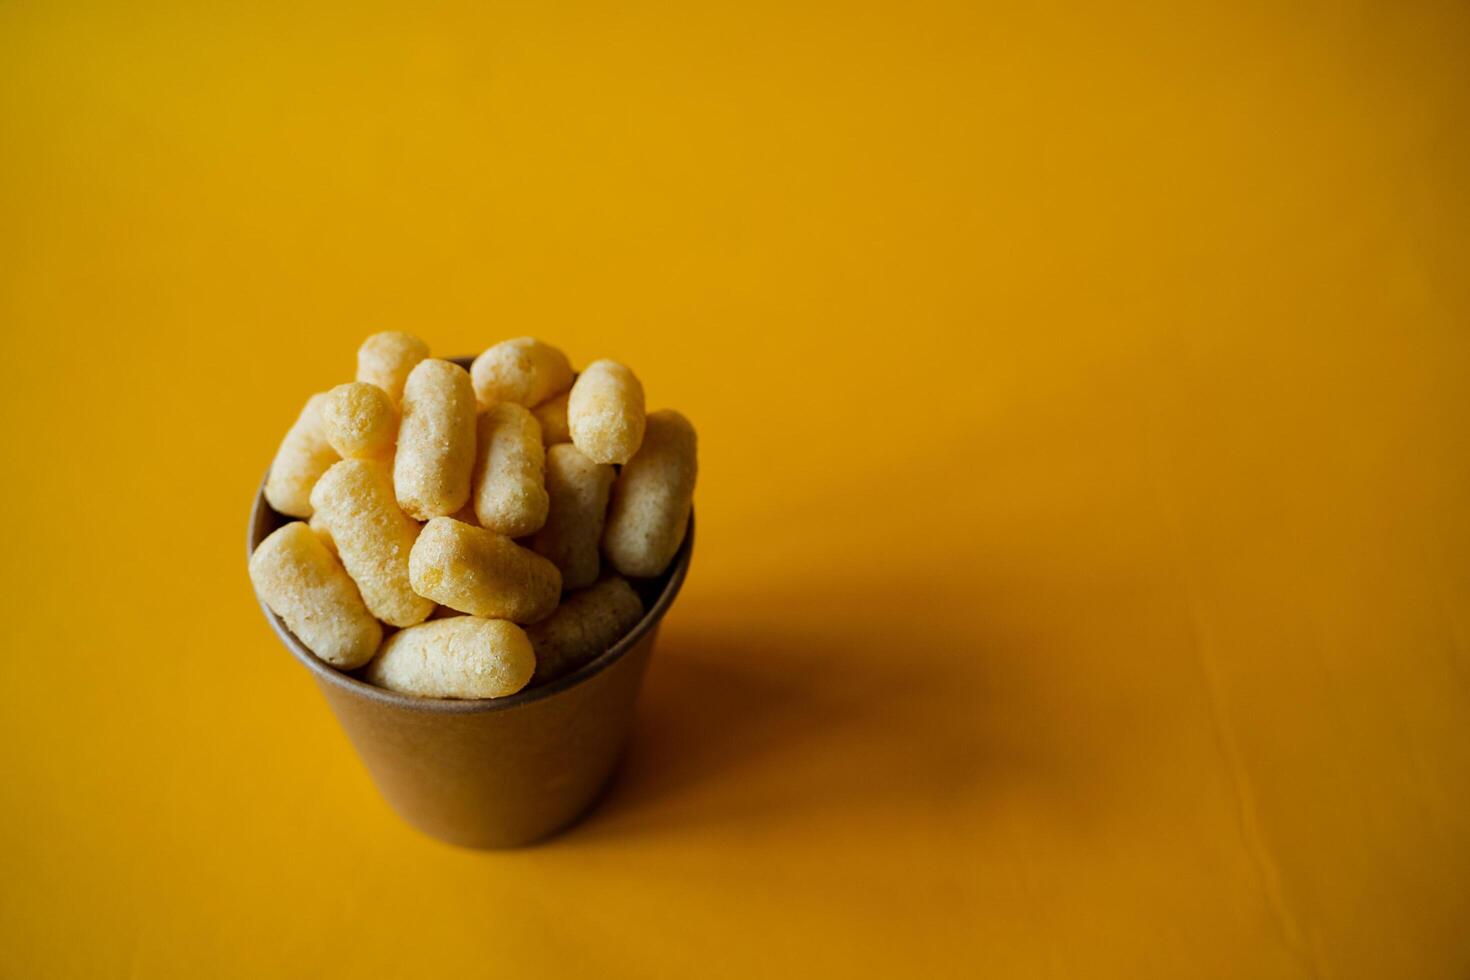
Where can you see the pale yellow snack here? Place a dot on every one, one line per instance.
(303, 457)
(572, 536)
(300, 581)
(584, 626)
(482, 573)
(651, 499)
(360, 421)
(436, 441)
(552, 414)
(509, 493)
(319, 525)
(605, 412)
(524, 371)
(460, 657)
(385, 359)
(373, 537)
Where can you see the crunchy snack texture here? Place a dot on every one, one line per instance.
(572, 536)
(298, 579)
(360, 421)
(509, 492)
(525, 371)
(459, 657)
(373, 538)
(385, 359)
(319, 526)
(436, 441)
(302, 458)
(482, 573)
(492, 516)
(652, 497)
(584, 626)
(605, 412)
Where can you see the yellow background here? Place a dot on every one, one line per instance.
(1084, 553)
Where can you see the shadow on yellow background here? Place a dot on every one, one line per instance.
(1082, 578)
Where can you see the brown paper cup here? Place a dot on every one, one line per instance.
(502, 772)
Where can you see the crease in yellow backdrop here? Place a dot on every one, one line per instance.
(1084, 554)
